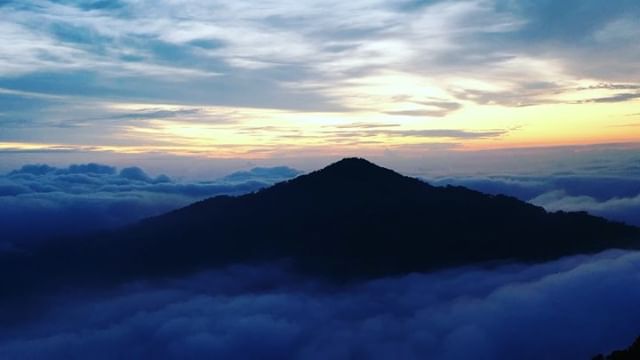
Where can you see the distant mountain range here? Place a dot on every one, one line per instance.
(351, 220)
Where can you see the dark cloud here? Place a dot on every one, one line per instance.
(245, 88)
(48, 150)
(446, 105)
(432, 133)
(428, 147)
(41, 201)
(610, 86)
(445, 133)
(272, 174)
(531, 94)
(365, 126)
(425, 113)
(137, 174)
(615, 98)
(430, 108)
(568, 21)
(93, 4)
(33, 169)
(158, 114)
(573, 308)
(523, 97)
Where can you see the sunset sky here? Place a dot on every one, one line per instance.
(279, 79)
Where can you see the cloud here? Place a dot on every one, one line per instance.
(456, 134)
(105, 114)
(365, 126)
(613, 197)
(272, 174)
(425, 113)
(137, 174)
(353, 59)
(279, 46)
(615, 98)
(572, 308)
(603, 180)
(587, 24)
(89, 47)
(39, 201)
(431, 108)
(431, 133)
(614, 86)
(626, 209)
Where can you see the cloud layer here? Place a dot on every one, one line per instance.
(573, 308)
(597, 190)
(40, 201)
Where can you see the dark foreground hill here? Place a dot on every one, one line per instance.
(348, 221)
(632, 353)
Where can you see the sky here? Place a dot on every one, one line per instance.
(112, 111)
(269, 80)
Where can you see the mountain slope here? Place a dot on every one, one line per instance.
(354, 218)
(632, 353)
(347, 221)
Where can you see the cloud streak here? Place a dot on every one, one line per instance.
(432, 133)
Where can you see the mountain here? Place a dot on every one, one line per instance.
(351, 220)
(632, 353)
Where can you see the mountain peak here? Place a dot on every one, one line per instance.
(353, 164)
(355, 168)
(353, 161)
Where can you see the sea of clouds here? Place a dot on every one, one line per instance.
(615, 197)
(572, 308)
(38, 202)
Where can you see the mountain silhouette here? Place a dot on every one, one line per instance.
(351, 220)
(632, 353)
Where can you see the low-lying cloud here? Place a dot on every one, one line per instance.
(626, 209)
(613, 197)
(40, 201)
(573, 308)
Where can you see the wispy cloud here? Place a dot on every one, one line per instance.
(434, 133)
(614, 98)
(400, 62)
(365, 126)
(317, 41)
